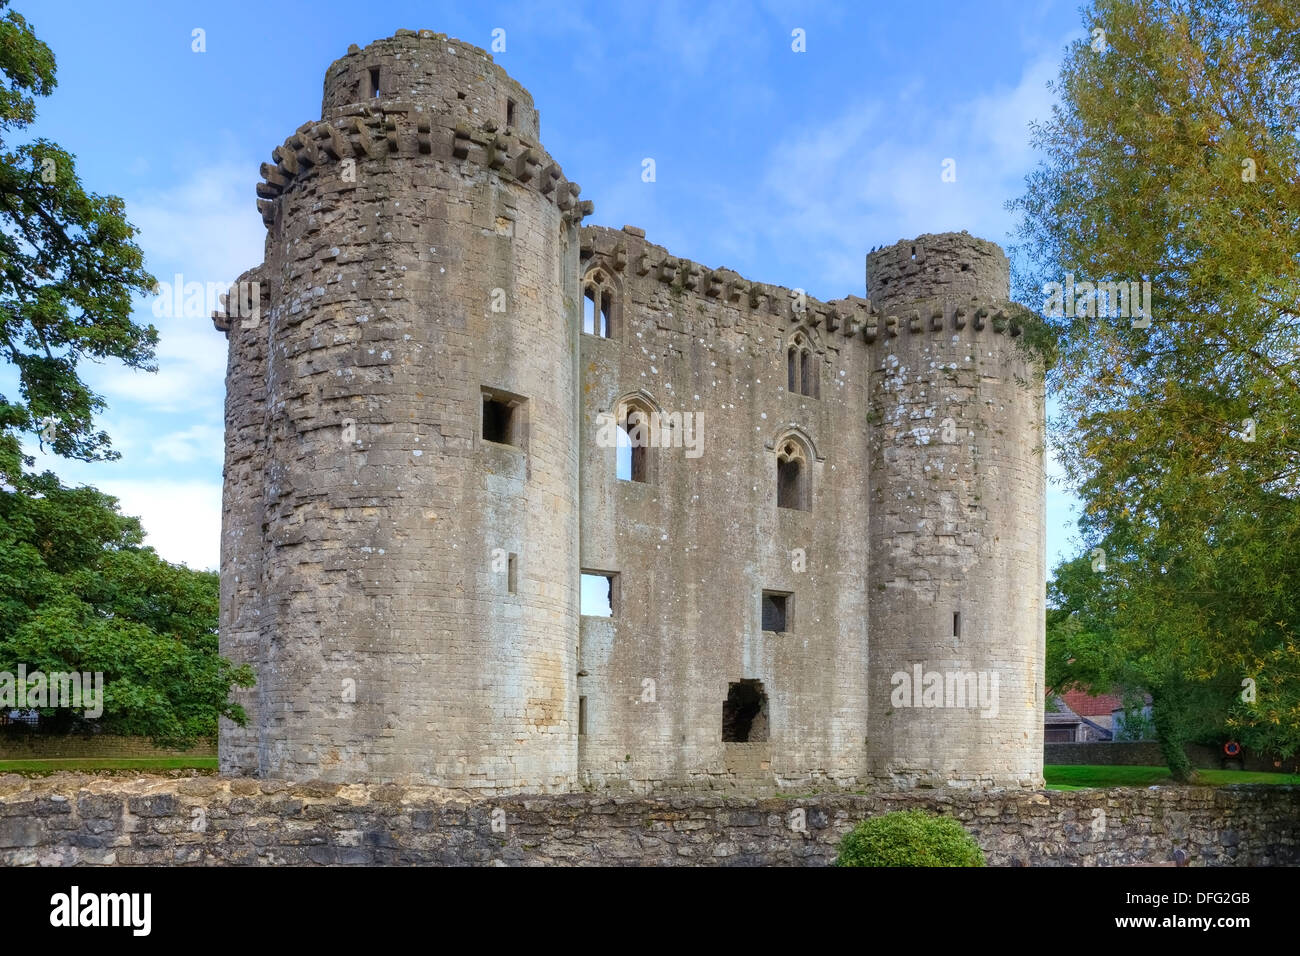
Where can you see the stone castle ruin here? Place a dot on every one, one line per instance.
(838, 581)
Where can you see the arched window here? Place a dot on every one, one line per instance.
(636, 436)
(791, 476)
(803, 368)
(598, 306)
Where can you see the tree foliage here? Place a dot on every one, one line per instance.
(1172, 157)
(909, 838)
(78, 591)
(69, 266)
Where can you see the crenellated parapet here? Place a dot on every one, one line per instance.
(368, 132)
(414, 95)
(869, 320)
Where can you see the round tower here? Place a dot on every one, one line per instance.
(419, 572)
(956, 517)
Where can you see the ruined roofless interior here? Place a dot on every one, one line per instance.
(845, 498)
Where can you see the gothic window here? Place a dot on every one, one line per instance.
(598, 306)
(635, 437)
(791, 476)
(803, 368)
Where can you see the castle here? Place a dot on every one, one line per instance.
(832, 575)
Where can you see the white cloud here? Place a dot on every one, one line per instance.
(182, 519)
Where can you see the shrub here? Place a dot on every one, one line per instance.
(909, 838)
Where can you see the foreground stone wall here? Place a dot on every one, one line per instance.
(69, 819)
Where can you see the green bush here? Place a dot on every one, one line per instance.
(909, 838)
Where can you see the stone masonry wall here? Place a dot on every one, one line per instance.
(69, 819)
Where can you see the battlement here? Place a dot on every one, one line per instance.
(628, 252)
(433, 72)
(381, 130)
(443, 98)
(949, 266)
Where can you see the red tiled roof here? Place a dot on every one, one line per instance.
(1086, 705)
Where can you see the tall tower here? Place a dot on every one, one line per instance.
(956, 498)
(400, 534)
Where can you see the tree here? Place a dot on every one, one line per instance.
(1171, 158)
(68, 268)
(78, 591)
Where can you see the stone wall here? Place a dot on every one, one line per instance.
(69, 819)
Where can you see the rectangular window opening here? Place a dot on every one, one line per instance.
(778, 611)
(606, 329)
(789, 484)
(512, 574)
(510, 112)
(505, 418)
(599, 594)
(956, 623)
(582, 716)
(374, 81)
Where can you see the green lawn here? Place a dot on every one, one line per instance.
(1083, 777)
(108, 763)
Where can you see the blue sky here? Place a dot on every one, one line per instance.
(784, 166)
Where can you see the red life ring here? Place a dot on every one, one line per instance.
(1232, 748)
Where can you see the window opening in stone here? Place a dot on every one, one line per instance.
(744, 713)
(374, 81)
(598, 594)
(790, 479)
(777, 606)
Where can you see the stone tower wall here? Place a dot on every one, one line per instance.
(417, 256)
(956, 529)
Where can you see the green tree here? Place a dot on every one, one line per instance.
(78, 591)
(1172, 158)
(68, 268)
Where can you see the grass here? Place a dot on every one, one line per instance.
(55, 765)
(1084, 777)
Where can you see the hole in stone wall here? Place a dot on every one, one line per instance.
(599, 593)
(789, 483)
(374, 81)
(956, 623)
(582, 716)
(505, 420)
(512, 573)
(589, 312)
(632, 461)
(510, 112)
(777, 606)
(496, 421)
(744, 713)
